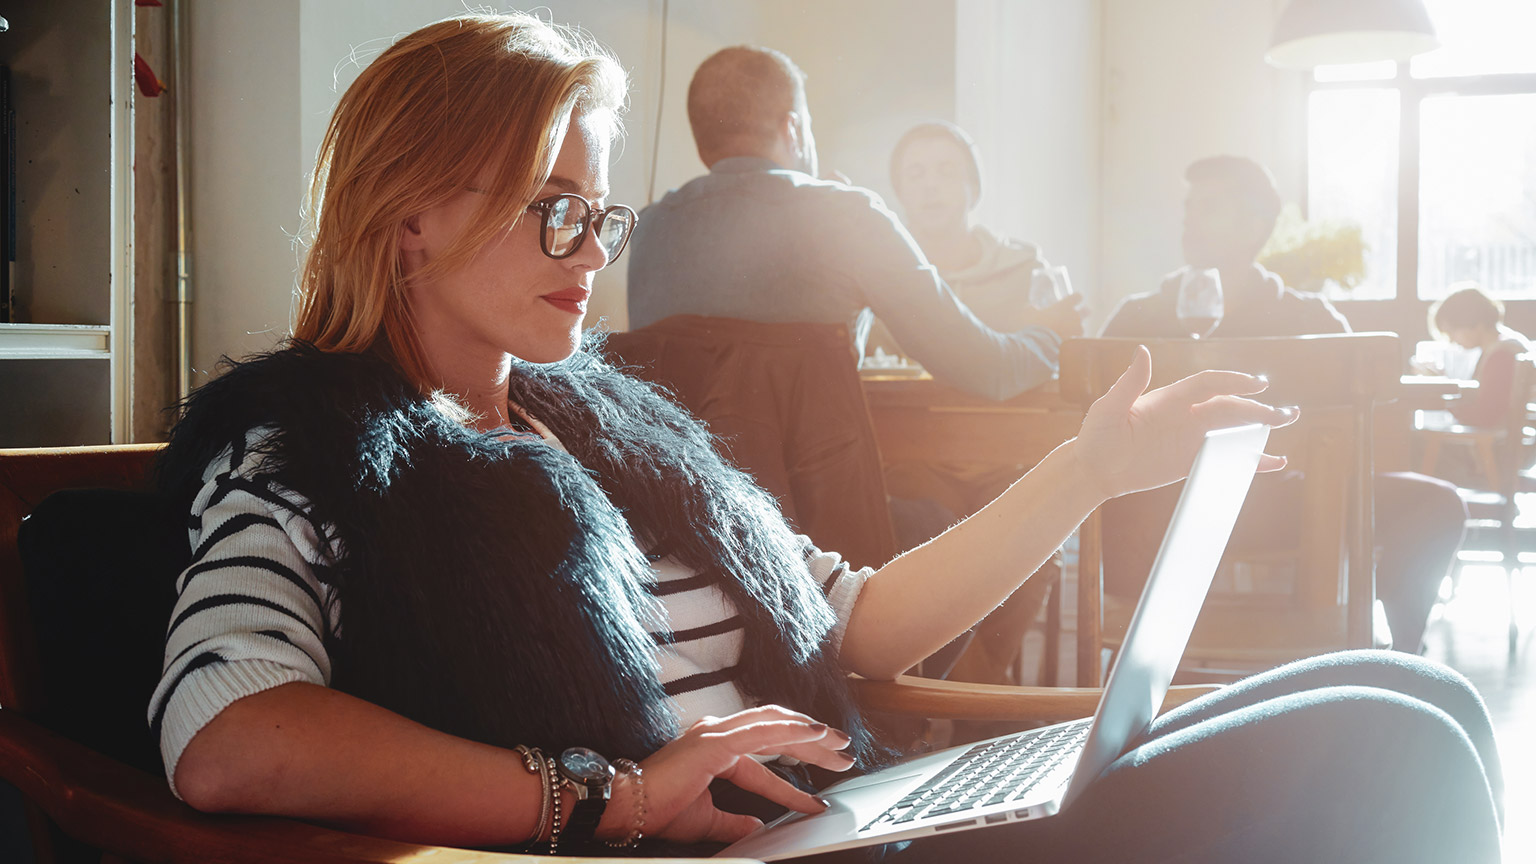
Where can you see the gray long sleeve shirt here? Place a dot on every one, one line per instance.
(755, 241)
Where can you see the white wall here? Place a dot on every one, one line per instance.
(1184, 79)
(266, 76)
(247, 174)
(1028, 89)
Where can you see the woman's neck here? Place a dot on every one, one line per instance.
(480, 387)
(952, 247)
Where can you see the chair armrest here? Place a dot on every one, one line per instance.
(131, 814)
(957, 700)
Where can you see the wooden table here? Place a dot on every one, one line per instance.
(921, 420)
(961, 451)
(1394, 422)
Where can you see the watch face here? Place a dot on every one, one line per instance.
(585, 766)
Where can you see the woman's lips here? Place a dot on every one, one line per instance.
(572, 300)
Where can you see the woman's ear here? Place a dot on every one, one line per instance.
(411, 237)
(792, 138)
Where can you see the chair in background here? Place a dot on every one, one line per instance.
(1503, 457)
(84, 805)
(785, 402)
(1337, 380)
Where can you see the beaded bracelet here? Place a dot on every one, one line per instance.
(629, 767)
(557, 818)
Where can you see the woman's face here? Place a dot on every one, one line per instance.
(933, 183)
(1471, 336)
(509, 298)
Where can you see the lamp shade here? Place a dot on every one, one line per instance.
(1312, 33)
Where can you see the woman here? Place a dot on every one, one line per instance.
(1472, 319)
(421, 560)
(936, 172)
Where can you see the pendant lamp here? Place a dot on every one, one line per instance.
(1312, 33)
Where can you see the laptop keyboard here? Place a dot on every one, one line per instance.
(992, 772)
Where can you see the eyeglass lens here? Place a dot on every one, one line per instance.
(566, 223)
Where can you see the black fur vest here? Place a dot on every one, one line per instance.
(494, 589)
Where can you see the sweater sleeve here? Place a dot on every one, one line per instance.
(1495, 376)
(839, 582)
(251, 613)
(872, 249)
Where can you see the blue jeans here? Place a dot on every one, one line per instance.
(1355, 756)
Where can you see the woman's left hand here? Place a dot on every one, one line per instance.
(1134, 439)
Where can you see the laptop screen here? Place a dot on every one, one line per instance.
(1175, 591)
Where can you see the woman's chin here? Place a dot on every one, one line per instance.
(551, 352)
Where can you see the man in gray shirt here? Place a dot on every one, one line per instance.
(761, 238)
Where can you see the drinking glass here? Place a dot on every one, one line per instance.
(1048, 285)
(1199, 305)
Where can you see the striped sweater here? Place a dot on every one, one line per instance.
(253, 607)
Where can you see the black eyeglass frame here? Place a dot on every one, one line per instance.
(592, 223)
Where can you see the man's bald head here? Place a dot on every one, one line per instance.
(738, 101)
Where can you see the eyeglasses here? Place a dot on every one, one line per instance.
(564, 220)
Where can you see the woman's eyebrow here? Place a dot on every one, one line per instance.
(565, 184)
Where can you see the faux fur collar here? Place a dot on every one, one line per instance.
(495, 589)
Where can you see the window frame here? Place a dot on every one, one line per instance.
(1405, 304)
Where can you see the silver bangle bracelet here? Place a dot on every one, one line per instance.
(535, 763)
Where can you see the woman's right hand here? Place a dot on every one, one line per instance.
(678, 805)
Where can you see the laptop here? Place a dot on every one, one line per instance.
(1034, 774)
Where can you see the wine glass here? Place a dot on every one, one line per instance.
(1199, 305)
(1048, 285)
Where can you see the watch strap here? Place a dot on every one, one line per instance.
(581, 827)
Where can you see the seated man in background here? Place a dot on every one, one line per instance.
(1229, 214)
(761, 238)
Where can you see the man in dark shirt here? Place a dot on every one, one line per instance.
(1229, 214)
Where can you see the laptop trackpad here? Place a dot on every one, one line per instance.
(854, 804)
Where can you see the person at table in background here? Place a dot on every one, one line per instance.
(1471, 319)
(761, 238)
(1229, 213)
(936, 173)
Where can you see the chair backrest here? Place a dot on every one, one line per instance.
(1518, 443)
(787, 407)
(1337, 380)
(81, 804)
(27, 477)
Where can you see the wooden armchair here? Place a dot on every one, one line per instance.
(79, 797)
(1337, 380)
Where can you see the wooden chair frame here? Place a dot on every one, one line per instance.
(1504, 455)
(131, 815)
(1337, 380)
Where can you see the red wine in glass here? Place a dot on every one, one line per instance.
(1200, 305)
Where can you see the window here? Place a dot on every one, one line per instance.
(1435, 158)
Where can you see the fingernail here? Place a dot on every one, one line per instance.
(1264, 379)
(844, 735)
(825, 804)
(819, 727)
(1291, 410)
